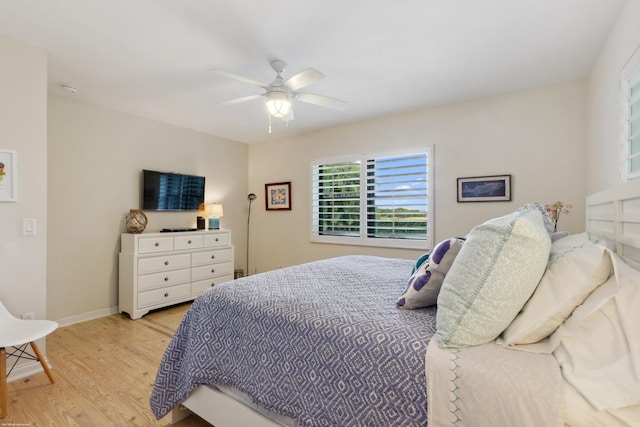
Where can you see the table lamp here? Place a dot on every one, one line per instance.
(214, 212)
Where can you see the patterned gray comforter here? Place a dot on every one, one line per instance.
(322, 343)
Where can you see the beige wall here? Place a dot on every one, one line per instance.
(95, 157)
(23, 128)
(537, 136)
(604, 117)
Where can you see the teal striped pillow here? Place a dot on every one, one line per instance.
(493, 276)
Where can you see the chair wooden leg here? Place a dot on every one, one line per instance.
(36, 350)
(3, 383)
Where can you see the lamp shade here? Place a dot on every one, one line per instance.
(278, 104)
(214, 210)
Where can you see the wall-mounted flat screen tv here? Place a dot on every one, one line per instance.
(166, 191)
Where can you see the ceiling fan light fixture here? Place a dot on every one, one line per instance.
(278, 103)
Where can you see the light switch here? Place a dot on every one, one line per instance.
(29, 227)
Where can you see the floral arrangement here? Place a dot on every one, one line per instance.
(555, 209)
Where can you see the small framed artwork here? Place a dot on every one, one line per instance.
(278, 196)
(495, 188)
(8, 176)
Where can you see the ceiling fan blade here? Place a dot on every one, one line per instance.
(322, 101)
(304, 78)
(240, 78)
(243, 99)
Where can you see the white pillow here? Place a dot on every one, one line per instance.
(493, 276)
(575, 268)
(598, 346)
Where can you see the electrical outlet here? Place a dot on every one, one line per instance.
(29, 316)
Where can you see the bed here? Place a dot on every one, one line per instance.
(335, 342)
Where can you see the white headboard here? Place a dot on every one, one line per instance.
(613, 216)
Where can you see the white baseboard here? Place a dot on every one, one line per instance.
(25, 369)
(71, 320)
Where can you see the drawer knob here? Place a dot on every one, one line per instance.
(166, 294)
(166, 279)
(189, 242)
(166, 263)
(213, 257)
(157, 244)
(217, 239)
(213, 270)
(213, 284)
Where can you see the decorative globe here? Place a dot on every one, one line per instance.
(136, 221)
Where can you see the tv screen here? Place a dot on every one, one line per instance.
(165, 191)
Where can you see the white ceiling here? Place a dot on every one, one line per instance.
(154, 57)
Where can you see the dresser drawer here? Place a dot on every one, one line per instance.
(213, 270)
(180, 264)
(155, 244)
(166, 278)
(202, 285)
(188, 242)
(216, 239)
(163, 263)
(211, 257)
(163, 296)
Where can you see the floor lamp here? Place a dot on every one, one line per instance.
(251, 197)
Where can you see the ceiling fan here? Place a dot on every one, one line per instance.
(280, 93)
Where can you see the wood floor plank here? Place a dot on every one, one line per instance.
(104, 371)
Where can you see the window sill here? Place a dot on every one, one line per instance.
(376, 243)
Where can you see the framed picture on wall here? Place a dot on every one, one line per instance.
(8, 176)
(278, 196)
(495, 188)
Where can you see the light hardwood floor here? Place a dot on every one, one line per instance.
(104, 371)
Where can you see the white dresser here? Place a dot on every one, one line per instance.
(161, 269)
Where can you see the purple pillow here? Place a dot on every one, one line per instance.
(424, 284)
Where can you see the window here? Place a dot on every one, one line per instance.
(379, 199)
(631, 128)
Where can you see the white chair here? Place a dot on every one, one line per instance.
(18, 333)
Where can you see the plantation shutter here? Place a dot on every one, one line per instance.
(396, 192)
(375, 199)
(336, 196)
(633, 126)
